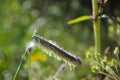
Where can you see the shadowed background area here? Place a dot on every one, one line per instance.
(20, 18)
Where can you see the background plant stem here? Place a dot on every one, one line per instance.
(19, 66)
(29, 67)
(96, 25)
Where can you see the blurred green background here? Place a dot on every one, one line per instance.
(20, 18)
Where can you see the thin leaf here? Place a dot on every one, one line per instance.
(79, 19)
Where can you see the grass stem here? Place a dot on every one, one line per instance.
(96, 26)
(19, 66)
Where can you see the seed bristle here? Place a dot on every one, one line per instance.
(52, 49)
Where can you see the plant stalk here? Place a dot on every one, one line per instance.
(96, 26)
(19, 66)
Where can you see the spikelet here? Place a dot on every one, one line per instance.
(52, 49)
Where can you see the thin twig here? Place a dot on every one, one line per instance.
(19, 66)
(28, 50)
(108, 75)
(59, 71)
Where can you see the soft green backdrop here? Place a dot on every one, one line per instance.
(20, 18)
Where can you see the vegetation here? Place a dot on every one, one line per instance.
(93, 36)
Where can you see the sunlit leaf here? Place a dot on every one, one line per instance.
(79, 19)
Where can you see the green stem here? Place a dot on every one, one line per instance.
(19, 66)
(96, 25)
(29, 68)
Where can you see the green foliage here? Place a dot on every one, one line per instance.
(20, 18)
(109, 68)
(88, 55)
(116, 51)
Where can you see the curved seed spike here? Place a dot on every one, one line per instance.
(57, 51)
